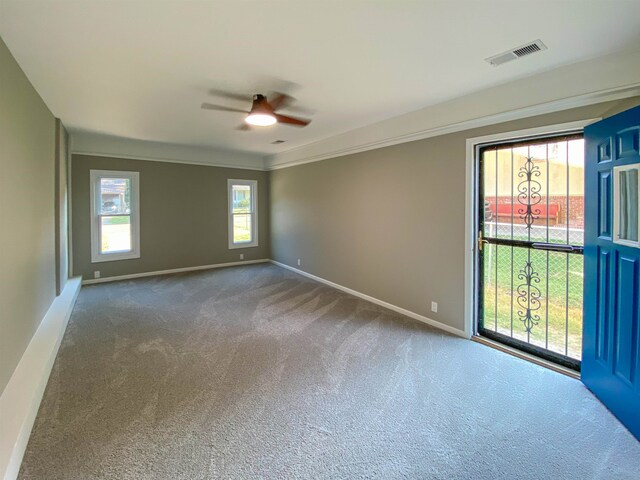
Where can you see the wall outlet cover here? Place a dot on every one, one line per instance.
(242, 256)
(96, 274)
(434, 307)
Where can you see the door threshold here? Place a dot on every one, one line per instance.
(526, 356)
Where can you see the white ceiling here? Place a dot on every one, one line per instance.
(140, 69)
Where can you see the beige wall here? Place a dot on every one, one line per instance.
(389, 223)
(27, 273)
(183, 216)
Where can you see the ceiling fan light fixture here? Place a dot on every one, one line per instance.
(262, 113)
(260, 119)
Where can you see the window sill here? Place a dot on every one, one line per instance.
(242, 245)
(114, 257)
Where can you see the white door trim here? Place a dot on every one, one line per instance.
(470, 206)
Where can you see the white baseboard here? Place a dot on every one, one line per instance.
(173, 270)
(403, 311)
(21, 398)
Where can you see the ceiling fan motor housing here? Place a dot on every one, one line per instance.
(260, 105)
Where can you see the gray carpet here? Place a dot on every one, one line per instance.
(256, 372)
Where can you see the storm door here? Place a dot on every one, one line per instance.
(530, 245)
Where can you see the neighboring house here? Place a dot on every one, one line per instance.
(558, 171)
(113, 195)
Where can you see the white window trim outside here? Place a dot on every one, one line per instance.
(134, 178)
(471, 229)
(616, 205)
(254, 212)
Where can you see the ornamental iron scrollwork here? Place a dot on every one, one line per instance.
(528, 296)
(529, 196)
(529, 192)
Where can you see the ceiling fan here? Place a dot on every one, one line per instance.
(263, 112)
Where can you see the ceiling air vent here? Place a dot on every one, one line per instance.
(515, 53)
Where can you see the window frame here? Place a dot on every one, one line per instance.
(616, 205)
(253, 184)
(134, 178)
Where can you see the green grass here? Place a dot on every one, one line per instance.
(560, 285)
(121, 220)
(241, 228)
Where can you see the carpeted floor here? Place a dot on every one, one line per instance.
(256, 372)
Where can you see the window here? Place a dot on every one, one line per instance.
(243, 213)
(115, 216)
(626, 205)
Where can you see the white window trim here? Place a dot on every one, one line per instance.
(616, 205)
(254, 210)
(134, 178)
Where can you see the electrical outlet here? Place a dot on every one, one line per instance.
(434, 307)
(299, 262)
(96, 274)
(242, 256)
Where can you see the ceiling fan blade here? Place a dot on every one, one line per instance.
(280, 100)
(298, 122)
(211, 106)
(231, 95)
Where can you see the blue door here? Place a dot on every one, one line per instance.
(611, 337)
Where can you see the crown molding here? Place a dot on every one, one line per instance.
(165, 160)
(101, 145)
(193, 156)
(583, 100)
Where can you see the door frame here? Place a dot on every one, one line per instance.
(471, 208)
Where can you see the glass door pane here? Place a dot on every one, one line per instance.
(532, 220)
